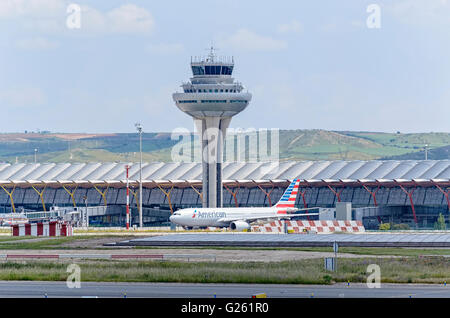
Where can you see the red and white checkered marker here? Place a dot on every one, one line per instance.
(327, 226)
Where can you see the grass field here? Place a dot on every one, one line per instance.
(375, 251)
(393, 270)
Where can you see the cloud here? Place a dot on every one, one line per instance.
(165, 48)
(248, 40)
(130, 18)
(36, 43)
(47, 16)
(291, 27)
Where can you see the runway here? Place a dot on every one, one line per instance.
(177, 290)
(293, 240)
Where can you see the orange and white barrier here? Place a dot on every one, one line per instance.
(327, 226)
(43, 229)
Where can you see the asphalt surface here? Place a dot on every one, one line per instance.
(293, 240)
(176, 290)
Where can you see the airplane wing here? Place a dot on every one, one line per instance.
(263, 217)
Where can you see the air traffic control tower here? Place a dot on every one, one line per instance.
(212, 98)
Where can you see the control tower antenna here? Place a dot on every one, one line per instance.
(212, 98)
(212, 55)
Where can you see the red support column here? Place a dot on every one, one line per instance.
(233, 194)
(266, 193)
(374, 196)
(409, 194)
(337, 194)
(305, 205)
(446, 194)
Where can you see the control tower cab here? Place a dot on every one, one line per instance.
(212, 98)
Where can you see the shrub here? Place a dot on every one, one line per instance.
(401, 226)
(440, 223)
(384, 226)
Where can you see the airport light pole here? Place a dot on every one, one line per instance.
(35, 155)
(139, 130)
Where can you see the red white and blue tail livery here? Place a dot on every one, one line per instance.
(287, 201)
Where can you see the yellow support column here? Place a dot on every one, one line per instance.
(136, 197)
(10, 196)
(41, 195)
(167, 194)
(71, 193)
(103, 194)
(198, 192)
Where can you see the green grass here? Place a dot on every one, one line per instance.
(398, 270)
(44, 243)
(375, 251)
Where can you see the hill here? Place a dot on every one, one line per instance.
(293, 144)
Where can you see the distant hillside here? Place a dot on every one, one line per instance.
(433, 154)
(294, 145)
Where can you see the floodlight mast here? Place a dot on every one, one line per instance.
(139, 130)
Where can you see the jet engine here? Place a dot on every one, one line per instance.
(239, 226)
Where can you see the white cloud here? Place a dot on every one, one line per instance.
(36, 43)
(291, 27)
(127, 18)
(50, 16)
(130, 18)
(165, 48)
(248, 40)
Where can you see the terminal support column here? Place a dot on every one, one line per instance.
(167, 194)
(446, 194)
(265, 192)
(409, 194)
(373, 194)
(196, 191)
(102, 193)
(71, 193)
(234, 193)
(41, 195)
(10, 196)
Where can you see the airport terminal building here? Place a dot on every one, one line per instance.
(412, 192)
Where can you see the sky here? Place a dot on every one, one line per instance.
(334, 65)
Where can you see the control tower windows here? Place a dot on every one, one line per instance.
(198, 70)
(227, 70)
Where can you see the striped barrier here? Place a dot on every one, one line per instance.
(325, 226)
(107, 256)
(53, 228)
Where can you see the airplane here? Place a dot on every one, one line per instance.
(240, 218)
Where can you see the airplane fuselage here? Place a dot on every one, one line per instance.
(205, 217)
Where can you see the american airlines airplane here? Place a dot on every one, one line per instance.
(240, 218)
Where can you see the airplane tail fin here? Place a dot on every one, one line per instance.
(289, 196)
